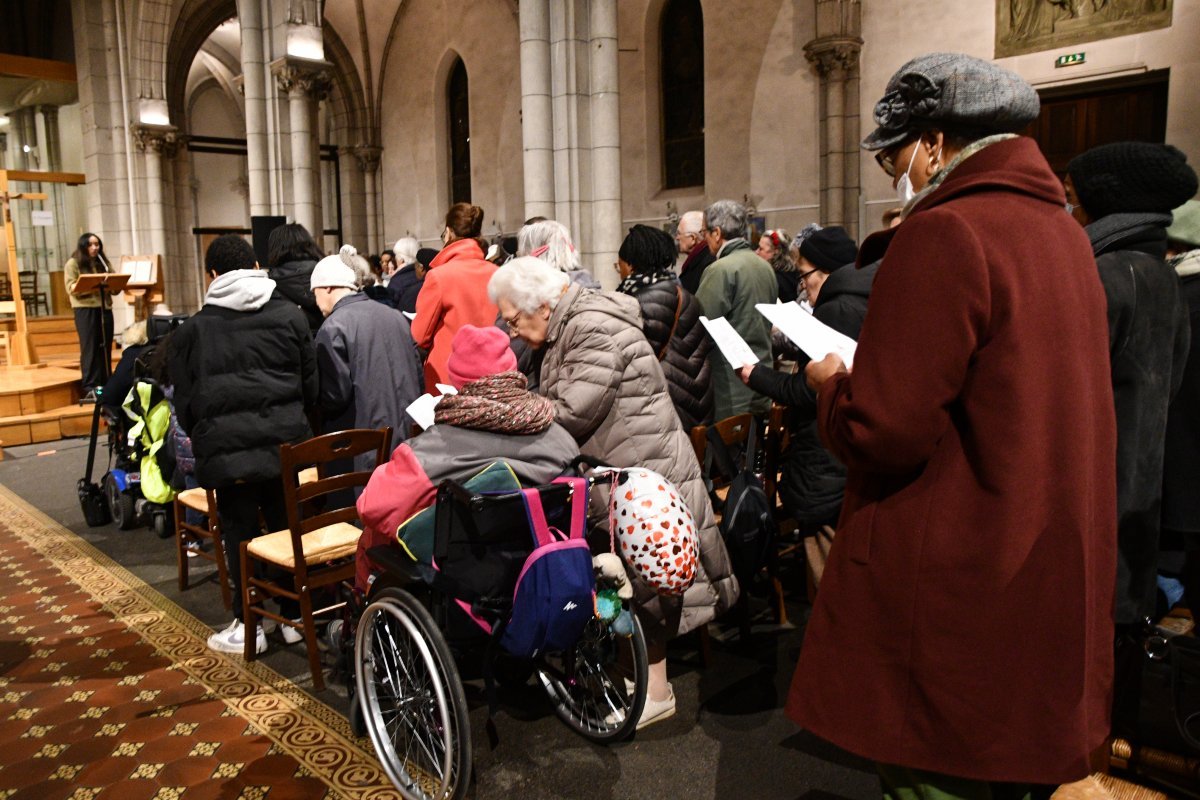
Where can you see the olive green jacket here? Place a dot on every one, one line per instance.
(730, 288)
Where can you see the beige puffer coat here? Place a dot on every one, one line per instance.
(610, 394)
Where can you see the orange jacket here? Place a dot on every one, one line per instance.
(454, 294)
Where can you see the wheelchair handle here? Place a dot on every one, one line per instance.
(580, 460)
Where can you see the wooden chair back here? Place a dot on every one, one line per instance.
(29, 290)
(304, 497)
(734, 432)
(320, 512)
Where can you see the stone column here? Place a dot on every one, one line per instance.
(63, 245)
(305, 83)
(368, 163)
(156, 142)
(607, 231)
(537, 132)
(835, 55)
(29, 250)
(254, 88)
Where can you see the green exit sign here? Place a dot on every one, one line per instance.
(1070, 60)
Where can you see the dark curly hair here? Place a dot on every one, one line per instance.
(648, 249)
(229, 252)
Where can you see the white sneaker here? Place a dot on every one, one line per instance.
(291, 635)
(233, 639)
(657, 710)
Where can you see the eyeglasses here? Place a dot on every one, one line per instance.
(804, 275)
(886, 159)
(512, 321)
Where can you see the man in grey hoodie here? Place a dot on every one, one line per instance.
(244, 371)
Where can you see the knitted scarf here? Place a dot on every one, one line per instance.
(498, 403)
(640, 280)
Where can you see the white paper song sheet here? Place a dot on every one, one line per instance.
(729, 342)
(421, 410)
(811, 335)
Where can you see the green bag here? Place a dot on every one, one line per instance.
(415, 534)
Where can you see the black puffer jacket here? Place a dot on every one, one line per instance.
(291, 280)
(1149, 337)
(813, 481)
(684, 353)
(244, 370)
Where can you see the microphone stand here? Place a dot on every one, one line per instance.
(103, 345)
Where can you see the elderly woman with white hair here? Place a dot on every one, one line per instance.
(407, 276)
(550, 241)
(610, 394)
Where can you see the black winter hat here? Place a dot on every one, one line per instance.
(1131, 177)
(426, 255)
(829, 248)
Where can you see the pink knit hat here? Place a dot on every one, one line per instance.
(478, 352)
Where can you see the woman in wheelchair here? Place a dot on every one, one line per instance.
(493, 418)
(410, 699)
(609, 392)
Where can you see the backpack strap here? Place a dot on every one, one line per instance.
(721, 455)
(579, 498)
(675, 324)
(537, 518)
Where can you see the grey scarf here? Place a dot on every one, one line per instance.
(1106, 231)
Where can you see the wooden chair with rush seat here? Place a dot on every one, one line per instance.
(317, 549)
(192, 537)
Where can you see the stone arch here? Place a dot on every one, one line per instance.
(208, 82)
(196, 21)
(348, 99)
(150, 51)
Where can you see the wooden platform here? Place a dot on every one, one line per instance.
(52, 340)
(40, 404)
(29, 390)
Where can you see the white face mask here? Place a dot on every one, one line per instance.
(904, 188)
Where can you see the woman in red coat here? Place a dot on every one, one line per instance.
(455, 291)
(963, 629)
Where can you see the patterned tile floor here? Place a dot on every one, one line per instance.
(108, 691)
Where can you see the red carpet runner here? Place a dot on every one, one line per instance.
(108, 691)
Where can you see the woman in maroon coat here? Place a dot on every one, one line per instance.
(963, 628)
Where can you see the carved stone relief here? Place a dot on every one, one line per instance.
(1028, 26)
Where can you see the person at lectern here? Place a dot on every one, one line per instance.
(89, 258)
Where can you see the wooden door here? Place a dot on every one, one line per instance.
(1078, 118)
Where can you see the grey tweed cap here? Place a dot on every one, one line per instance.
(952, 90)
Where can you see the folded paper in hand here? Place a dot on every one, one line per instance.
(811, 335)
(729, 342)
(422, 409)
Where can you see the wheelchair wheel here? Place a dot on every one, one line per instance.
(598, 687)
(411, 698)
(121, 505)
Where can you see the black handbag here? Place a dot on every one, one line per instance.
(1169, 713)
(1158, 690)
(91, 500)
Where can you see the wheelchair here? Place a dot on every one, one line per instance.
(409, 692)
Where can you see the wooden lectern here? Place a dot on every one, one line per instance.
(105, 283)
